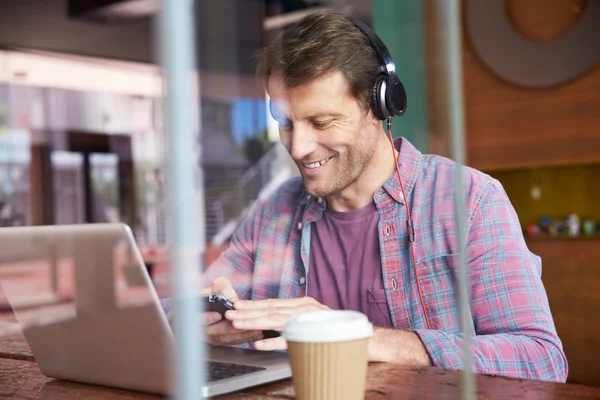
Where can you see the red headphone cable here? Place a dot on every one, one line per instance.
(409, 223)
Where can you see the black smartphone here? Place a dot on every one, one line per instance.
(221, 304)
(217, 302)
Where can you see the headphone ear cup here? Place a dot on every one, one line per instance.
(396, 99)
(375, 98)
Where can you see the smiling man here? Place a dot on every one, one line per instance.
(370, 224)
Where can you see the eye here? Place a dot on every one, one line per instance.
(322, 125)
(285, 135)
(285, 131)
(285, 125)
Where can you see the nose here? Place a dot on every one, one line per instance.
(301, 142)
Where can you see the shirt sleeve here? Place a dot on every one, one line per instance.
(514, 329)
(236, 263)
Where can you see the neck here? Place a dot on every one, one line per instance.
(360, 193)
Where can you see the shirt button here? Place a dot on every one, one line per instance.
(401, 196)
(386, 231)
(394, 284)
(302, 280)
(320, 200)
(299, 226)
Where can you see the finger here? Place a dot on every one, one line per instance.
(223, 332)
(223, 287)
(271, 321)
(271, 344)
(236, 338)
(269, 303)
(206, 290)
(221, 328)
(232, 315)
(211, 317)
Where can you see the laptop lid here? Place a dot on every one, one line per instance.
(89, 311)
(96, 326)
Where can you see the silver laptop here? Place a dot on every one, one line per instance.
(90, 313)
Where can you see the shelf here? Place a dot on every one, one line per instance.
(543, 238)
(539, 166)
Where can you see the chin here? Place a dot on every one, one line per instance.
(316, 191)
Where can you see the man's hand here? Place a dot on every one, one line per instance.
(220, 332)
(270, 314)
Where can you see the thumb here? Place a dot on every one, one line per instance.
(223, 287)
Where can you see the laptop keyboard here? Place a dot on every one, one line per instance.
(216, 371)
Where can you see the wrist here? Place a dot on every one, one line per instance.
(377, 348)
(397, 346)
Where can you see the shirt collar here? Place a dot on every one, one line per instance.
(307, 197)
(409, 160)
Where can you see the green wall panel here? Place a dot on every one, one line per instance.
(399, 23)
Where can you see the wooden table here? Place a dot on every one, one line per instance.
(21, 379)
(15, 346)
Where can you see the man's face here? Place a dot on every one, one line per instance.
(326, 131)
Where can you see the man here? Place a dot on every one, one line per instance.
(338, 238)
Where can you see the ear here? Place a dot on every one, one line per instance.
(372, 120)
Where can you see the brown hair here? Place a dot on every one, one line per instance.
(320, 43)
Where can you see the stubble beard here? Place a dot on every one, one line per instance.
(348, 170)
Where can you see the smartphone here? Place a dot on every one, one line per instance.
(221, 304)
(217, 302)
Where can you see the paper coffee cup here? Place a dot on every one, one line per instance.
(328, 354)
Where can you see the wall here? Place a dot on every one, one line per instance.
(400, 24)
(508, 126)
(571, 276)
(545, 138)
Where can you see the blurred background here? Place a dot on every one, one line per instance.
(82, 135)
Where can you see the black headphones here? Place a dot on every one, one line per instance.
(388, 97)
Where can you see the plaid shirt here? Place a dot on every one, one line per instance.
(512, 329)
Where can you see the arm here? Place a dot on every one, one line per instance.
(515, 333)
(236, 263)
(393, 345)
(231, 276)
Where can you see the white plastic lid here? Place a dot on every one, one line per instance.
(327, 326)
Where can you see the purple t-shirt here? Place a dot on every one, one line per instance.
(345, 264)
